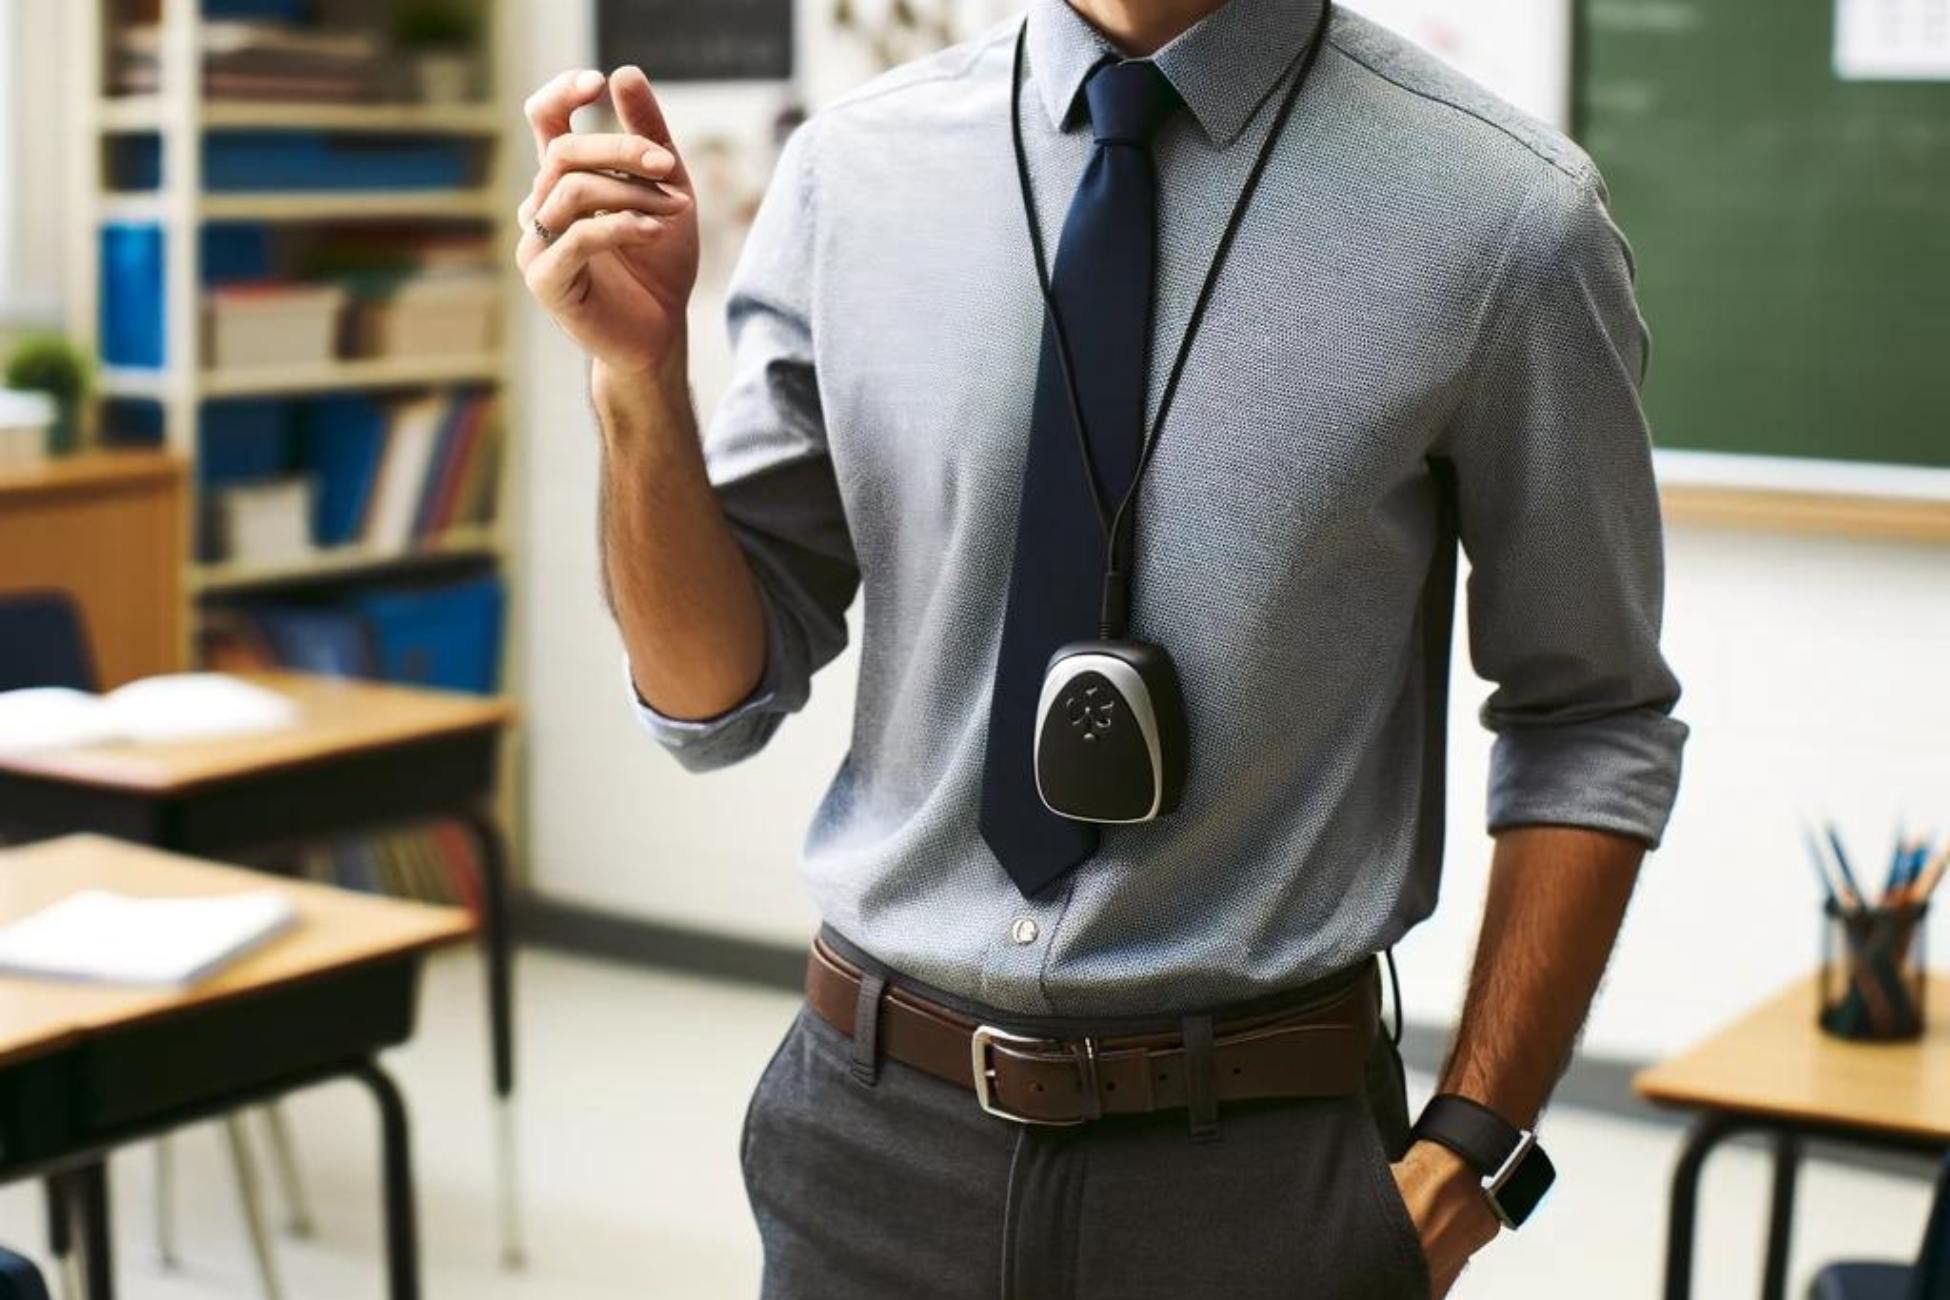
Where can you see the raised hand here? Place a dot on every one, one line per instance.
(609, 243)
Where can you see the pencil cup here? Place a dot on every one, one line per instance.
(1872, 972)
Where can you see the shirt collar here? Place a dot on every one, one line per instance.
(1223, 66)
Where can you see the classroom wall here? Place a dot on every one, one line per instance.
(1813, 669)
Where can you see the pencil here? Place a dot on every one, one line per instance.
(1920, 887)
(1851, 892)
(1820, 861)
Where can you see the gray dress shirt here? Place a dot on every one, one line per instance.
(1425, 276)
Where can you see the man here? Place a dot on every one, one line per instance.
(1420, 329)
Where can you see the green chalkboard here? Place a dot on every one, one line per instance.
(1792, 229)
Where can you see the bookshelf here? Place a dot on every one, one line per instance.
(181, 118)
(179, 113)
(302, 205)
(334, 562)
(324, 377)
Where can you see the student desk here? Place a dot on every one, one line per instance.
(1774, 1072)
(363, 755)
(87, 1068)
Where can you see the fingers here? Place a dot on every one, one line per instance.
(553, 273)
(638, 110)
(631, 155)
(582, 195)
(548, 109)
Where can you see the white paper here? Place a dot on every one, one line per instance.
(175, 706)
(197, 706)
(1892, 40)
(99, 935)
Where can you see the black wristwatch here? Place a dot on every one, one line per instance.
(1515, 1171)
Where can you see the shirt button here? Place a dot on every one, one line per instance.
(1024, 930)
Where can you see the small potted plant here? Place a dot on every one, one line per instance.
(442, 38)
(48, 363)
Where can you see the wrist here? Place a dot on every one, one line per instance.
(1445, 1172)
(1511, 1170)
(643, 407)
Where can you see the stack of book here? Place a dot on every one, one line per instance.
(393, 474)
(257, 60)
(443, 633)
(438, 863)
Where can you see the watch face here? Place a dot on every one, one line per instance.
(1525, 1186)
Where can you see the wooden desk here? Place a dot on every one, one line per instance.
(1774, 1071)
(363, 756)
(108, 528)
(87, 1068)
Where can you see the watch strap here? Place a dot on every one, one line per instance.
(1515, 1171)
(1483, 1138)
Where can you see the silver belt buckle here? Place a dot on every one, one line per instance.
(985, 1037)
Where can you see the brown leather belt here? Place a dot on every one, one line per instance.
(1318, 1048)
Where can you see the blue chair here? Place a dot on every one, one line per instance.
(19, 1279)
(1927, 1279)
(43, 642)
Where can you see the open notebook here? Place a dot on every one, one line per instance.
(176, 706)
(115, 938)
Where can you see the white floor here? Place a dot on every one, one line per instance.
(633, 1187)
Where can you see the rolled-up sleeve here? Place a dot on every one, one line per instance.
(1559, 515)
(766, 453)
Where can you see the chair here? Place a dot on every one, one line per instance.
(44, 642)
(1927, 1279)
(19, 1279)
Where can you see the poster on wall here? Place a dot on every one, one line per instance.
(697, 40)
(1892, 40)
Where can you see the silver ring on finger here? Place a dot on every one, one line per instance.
(543, 233)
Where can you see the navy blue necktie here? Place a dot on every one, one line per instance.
(1102, 283)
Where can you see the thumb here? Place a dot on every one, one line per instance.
(637, 109)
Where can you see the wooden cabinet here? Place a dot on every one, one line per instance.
(110, 528)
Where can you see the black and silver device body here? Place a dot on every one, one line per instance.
(1110, 744)
(1111, 735)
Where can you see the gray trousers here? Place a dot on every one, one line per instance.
(903, 1189)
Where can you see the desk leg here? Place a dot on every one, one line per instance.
(1707, 1132)
(1780, 1221)
(402, 1238)
(84, 1196)
(59, 1239)
(497, 940)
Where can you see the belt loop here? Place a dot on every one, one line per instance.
(1201, 1078)
(866, 1029)
(1085, 1050)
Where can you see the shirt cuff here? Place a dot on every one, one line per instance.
(1616, 773)
(706, 744)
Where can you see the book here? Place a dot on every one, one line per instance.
(445, 447)
(453, 474)
(315, 639)
(172, 707)
(100, 935)
(475, 499)
(259, 523)
(341, 441)
(409, 453)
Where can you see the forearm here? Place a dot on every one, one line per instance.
(1557, 897)
(681, 590)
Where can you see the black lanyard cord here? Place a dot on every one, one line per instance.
(1120, 526)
